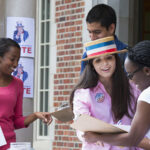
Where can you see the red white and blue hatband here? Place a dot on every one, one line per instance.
(101, 47)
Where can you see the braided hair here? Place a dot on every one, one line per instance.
(140, 53)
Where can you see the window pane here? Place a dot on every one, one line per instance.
(42, 55)
(47, 55)
(46, 78)
(46, 109)
(42, 32)
(47, 32)
(42, 9)
(41, 109)
(41, 101)
(45, 130)
(41, 79)
(48, 9)
(46, 101)
(41, 128)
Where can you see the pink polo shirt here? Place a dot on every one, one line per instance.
(11, 110)
(96, 102)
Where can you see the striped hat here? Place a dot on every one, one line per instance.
(103, 46)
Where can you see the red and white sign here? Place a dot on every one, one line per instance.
(25, 72)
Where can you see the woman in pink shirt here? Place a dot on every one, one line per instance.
(103, 90)
(11, 94)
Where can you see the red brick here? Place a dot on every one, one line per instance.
(69, 20)
(67, 1)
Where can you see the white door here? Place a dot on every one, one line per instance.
(45, 57)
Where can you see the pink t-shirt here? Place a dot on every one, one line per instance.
(11, 117)
(96, 102)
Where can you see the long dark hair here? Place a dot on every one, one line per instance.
(121, 90)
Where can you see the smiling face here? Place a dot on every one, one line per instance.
(141, 78)
(96, 31)
(9, 61)
(105, 66)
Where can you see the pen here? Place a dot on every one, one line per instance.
(119, 122)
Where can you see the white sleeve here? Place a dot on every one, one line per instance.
(145, 96)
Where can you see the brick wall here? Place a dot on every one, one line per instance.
(69, 20)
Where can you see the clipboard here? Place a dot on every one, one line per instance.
(63, 115)
(86, 123)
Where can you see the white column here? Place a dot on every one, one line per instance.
(2, 18)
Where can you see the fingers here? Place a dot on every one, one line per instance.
(50, 120)
(47, 118)
(44, 116)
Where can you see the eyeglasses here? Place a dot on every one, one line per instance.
(130, 75)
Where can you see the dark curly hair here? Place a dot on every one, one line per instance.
(5, 44)
(140, 53)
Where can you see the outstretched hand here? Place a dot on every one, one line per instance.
(44, 116)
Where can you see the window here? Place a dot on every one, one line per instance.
(43, 63)
(45, 68)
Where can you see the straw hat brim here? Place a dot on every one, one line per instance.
(104, 54)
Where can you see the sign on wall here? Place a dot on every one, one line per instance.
(21, 30)
(24, 71)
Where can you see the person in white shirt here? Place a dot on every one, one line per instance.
(137, 66)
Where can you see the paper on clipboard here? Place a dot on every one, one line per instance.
(87, 123)
(63, 115)
(2, 138)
